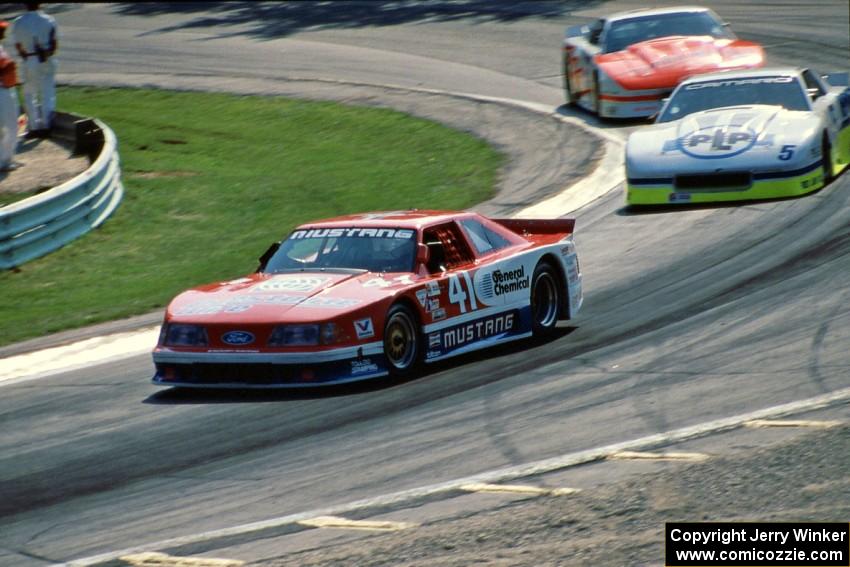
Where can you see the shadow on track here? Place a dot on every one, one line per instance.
(640, 210)
(189, 396)
(279, 19)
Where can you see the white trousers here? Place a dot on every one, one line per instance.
(9, 111)
(39, 92)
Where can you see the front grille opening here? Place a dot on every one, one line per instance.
(228, 373)
(726, 181)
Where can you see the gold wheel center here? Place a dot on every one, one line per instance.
(397, 342)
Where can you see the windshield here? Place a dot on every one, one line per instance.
(371, 249)
(624, 33)
(695, 97)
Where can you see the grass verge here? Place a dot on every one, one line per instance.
(212, 179)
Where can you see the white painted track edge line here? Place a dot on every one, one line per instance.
(494, 476)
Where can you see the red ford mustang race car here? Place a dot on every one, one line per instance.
(366, 295)
(623, 65)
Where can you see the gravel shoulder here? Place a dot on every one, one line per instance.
(805, 479)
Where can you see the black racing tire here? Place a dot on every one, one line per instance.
(826, 151)
(595, 95)
(545, 300)
(568, 87)
(402, 341)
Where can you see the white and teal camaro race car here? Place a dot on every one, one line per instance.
(742, 135)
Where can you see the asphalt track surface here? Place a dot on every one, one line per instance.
(690, 314)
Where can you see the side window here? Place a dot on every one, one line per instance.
(483, 239)
(813, 85)
(447, 248)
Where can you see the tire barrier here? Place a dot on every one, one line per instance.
(45, 222)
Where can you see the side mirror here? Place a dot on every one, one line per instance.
(423, 254)
(267, 255)
(577, 31)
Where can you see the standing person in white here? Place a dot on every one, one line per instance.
(34, 34)
(9, 108)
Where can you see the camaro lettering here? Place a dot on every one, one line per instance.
(483, 328)
(735, 82)
(353, 233)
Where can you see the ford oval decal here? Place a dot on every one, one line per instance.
(237, 338)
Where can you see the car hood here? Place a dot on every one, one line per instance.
(287, 297)
(744, 136)
(662, 63)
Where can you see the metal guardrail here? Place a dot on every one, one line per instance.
(45, 222)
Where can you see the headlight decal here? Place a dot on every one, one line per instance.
(184, 335)
(295, 335)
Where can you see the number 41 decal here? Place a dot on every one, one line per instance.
(458, 295)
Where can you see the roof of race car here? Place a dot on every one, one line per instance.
(412, 219)
(654, 12)
(744, 74)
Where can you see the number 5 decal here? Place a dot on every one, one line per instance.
(786, 152)
(458, 295)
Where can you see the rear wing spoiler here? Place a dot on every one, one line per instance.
(538, 226)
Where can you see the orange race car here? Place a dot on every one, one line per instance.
(625, 64)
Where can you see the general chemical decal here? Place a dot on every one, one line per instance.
(506, 283)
